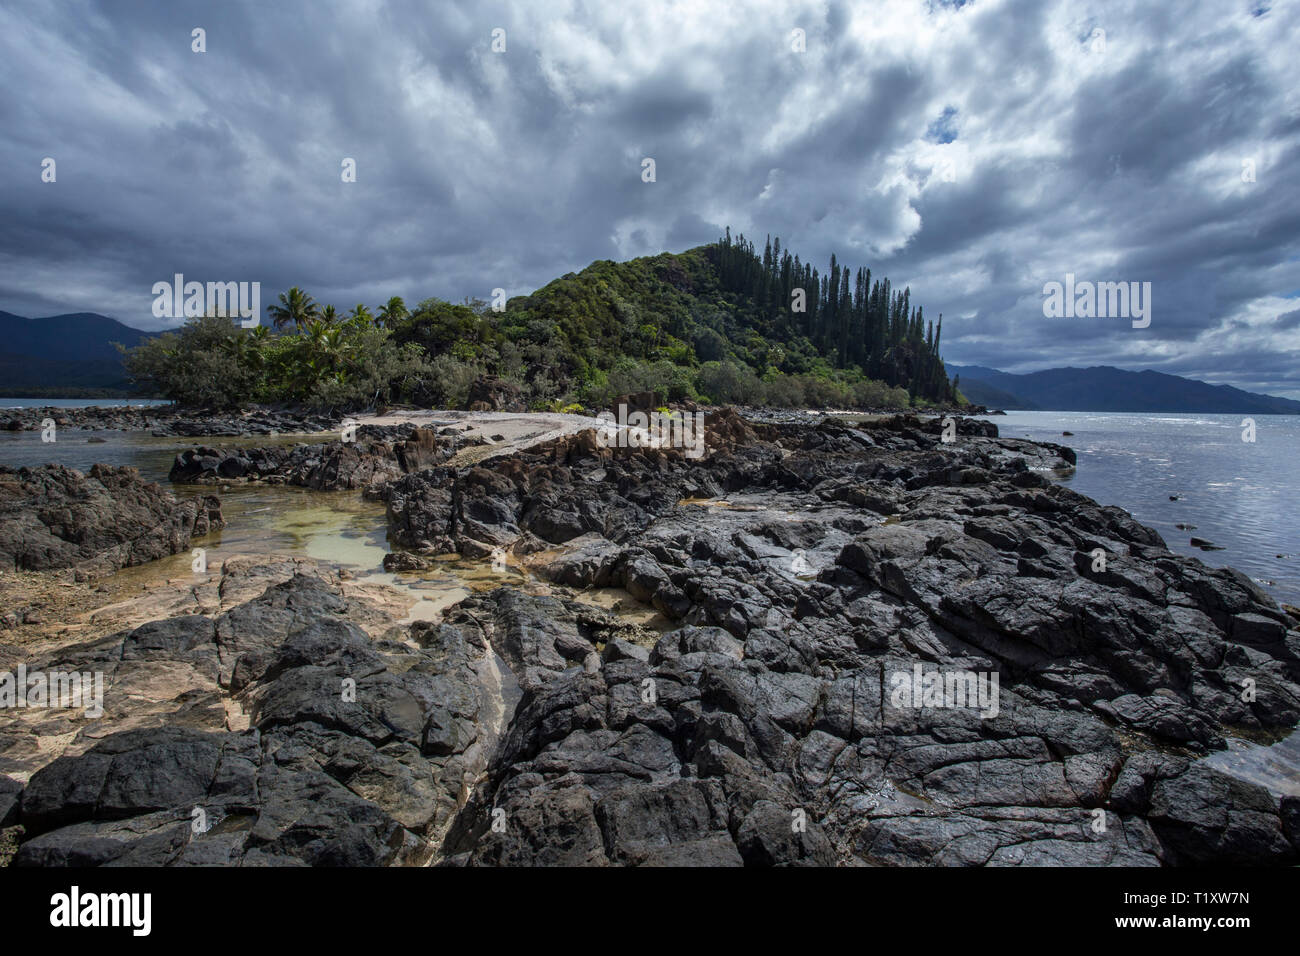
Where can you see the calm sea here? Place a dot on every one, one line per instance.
(1242, 496)
(78, 402)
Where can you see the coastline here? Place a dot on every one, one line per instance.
(801, 557)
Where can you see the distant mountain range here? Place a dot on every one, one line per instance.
(63, 355)
(1104, 388)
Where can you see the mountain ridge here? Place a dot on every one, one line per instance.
(1106, 388)
(71, 351)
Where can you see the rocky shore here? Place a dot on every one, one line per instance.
(167, 421)
(372, 457)
(820, 590)
(55, 517)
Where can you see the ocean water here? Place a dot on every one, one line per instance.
(80, 402)
(1242, 496)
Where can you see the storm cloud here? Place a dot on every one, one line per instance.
(971, 151)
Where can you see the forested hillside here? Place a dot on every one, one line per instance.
(848, 320)
(718, 323)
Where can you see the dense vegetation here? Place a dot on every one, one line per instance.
(213, 363)
(716, 323)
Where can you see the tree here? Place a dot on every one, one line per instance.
(210, 362)
(296, 308)
(392, 312)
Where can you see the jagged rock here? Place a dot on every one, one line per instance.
(379, 455)
(490, 394)
(784, 719)
(407, 561)
(169, 420)
(587, 562)
(805, 613)
(357, 753)
(10, 794)
(109, 518)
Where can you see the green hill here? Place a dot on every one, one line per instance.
(718, 321)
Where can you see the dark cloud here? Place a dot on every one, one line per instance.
(972, 152)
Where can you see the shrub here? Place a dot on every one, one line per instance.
(208, 363)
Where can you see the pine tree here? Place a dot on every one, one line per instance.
(850, 318)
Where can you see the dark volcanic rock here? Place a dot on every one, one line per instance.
(878, 647)
(10, 795)
(490, 394)
(56, 517)
(167, 420)
(358, 753)
(770, 729)
(377, 456)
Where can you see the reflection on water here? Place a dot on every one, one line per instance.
(1239, 495)
(1276, 767)
(451, 579)
(338, 527)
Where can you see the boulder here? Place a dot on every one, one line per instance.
(490, 394)
(55, 517)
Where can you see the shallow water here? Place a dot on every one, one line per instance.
(82, 402)
(1276, 766)
(338, 527)
(1239, 495)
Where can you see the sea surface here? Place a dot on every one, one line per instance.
(1244, 497)
(81, 402)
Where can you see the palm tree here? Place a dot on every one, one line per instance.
(361, 314)
(392, 311)
(296, 308)
(338, 353)
(325, 349)
(329, 315)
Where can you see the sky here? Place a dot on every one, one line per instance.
(973, 152)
